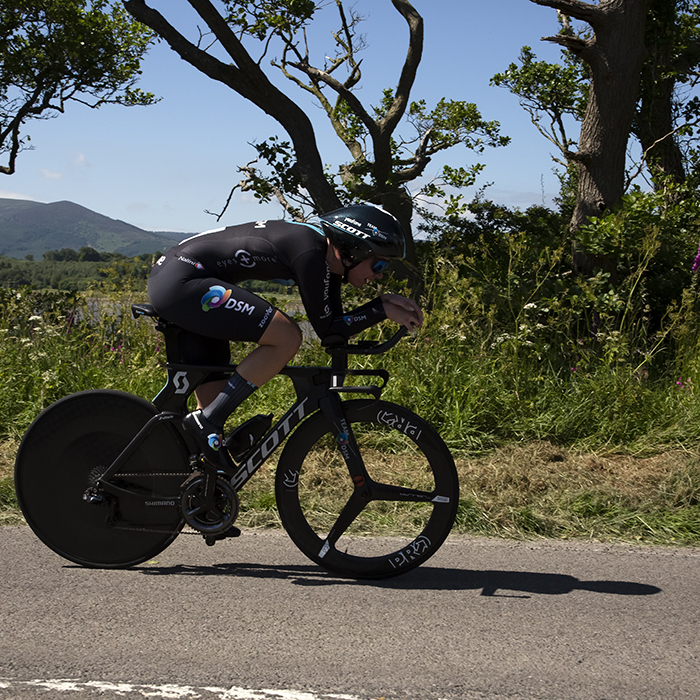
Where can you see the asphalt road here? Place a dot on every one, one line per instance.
(251, 619)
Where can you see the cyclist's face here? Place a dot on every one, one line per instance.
(366, 271)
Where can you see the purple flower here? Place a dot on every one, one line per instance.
(696, 264)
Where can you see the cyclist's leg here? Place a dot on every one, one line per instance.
(276, 347)
(213, 308)
(196, 349)
(205, 393)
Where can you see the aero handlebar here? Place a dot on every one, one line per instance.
(364, 347)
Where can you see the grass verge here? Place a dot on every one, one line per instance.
(536, 490)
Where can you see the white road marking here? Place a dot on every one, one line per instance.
(168, 691)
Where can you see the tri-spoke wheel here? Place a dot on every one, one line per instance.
(383, 523)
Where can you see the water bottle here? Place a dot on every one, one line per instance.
(247, 434)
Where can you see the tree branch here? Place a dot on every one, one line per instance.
(575, 44)
(248, 80)
(322, 76)
(584, 11)
(195, 56)
(248, 185)
(410, 66)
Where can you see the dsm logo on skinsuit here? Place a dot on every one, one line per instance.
(215, 297)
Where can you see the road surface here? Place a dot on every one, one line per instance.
(252, 619)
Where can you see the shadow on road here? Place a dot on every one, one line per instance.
(518, 584)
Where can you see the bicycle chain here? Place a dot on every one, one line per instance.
(156, 474)
(160, 532)
(148, 529)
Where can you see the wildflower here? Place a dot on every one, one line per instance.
(696, 264)
(530, 306)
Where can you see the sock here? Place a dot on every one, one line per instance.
(232, 396)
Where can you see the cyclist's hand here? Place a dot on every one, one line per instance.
(402, 310)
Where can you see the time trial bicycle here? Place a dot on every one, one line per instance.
(107, 479)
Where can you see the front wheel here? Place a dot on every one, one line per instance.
(408, 495)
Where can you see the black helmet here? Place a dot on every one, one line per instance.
(363, 230)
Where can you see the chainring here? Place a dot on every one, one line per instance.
(208, 518)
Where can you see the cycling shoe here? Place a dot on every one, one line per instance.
(209, 439)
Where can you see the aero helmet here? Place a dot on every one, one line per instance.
(363, 230)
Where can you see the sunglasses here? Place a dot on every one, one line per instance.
(379, 265)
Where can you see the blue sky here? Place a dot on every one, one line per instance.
(161, 167)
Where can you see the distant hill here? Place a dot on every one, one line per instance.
(31, 228)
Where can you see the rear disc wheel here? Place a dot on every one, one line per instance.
(68, 446)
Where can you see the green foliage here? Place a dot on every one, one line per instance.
(71, 270)
(515, 351)
(452, 122)
(54, 51)
(259, 18)
(515, 347)
(550, 87)
(546, 89)
(651, 236)
(55, 343)
(521, 349)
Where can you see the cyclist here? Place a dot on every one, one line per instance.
(194, 286)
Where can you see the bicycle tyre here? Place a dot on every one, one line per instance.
(56, 458)
(398, 448)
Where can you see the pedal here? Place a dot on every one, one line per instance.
(211, 540)
(94, 498)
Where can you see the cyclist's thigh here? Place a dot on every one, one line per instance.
(209, 306)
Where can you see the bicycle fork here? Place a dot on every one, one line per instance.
(332, 408)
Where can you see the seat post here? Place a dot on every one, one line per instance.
(169, 330)
(339, 367)
(171, 335)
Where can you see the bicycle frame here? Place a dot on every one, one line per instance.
(316, 388)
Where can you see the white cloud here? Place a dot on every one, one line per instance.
(16, 195)
(51, 176)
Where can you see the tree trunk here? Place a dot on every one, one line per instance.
(655, 123)
(615, 54)
(245, 77)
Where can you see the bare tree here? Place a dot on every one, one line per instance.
(382, 163)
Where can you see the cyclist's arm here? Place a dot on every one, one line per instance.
(320, 294)
(402, 310)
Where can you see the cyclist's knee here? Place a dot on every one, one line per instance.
(284, 333)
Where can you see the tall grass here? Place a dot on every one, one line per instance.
(582, 371)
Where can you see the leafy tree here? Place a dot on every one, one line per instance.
(552, 94)
(56, 51)
(658, 67)
(382, 163)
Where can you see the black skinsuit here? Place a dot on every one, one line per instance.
(194, 285)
